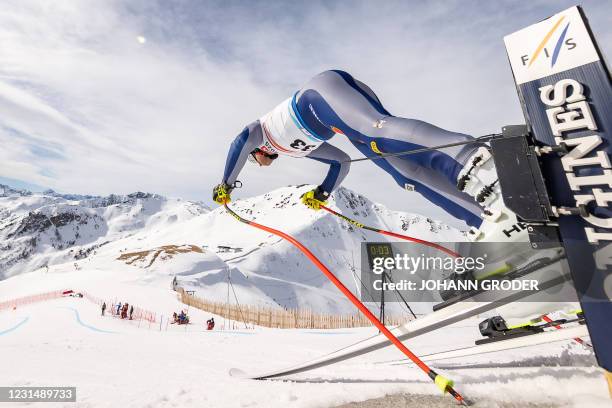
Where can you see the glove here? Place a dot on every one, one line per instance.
(314, 199)
(221, 193)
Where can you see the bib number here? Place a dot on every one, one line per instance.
(299, 144)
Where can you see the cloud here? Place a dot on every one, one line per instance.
(89, 107)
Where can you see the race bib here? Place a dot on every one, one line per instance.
(283, 133)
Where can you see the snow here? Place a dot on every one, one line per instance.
(112, 362)
(64, 232)
(142, 241)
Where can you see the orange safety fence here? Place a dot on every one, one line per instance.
(11, 304)
(139, 315)
(26, 300)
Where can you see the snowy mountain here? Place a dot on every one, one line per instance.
(41, 229)
(148, 239)
(143, 241)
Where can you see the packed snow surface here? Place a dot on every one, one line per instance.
(113, 362)
(130, 248)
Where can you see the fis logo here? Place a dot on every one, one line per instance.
(550, 48)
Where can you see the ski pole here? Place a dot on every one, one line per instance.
(393, 234)
(480, 139)
(577, 339)
(443, 383)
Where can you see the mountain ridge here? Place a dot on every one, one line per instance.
(58, 233)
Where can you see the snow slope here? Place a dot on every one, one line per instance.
(142, 241)
(114, 363)
(126, 236)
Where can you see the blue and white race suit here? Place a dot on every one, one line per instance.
(334, 103)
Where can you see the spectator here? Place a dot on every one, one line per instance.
(174, 317)
(103, 308)
(131, 311)
(118, 308)
(210, 323)
(124, 311)
(183, 319)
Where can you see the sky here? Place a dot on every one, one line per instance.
(124, 96)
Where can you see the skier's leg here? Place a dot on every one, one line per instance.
(463, 207)
(333, 101)
(430, 185)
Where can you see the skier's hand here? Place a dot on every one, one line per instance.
(314, 199)
(221, 193)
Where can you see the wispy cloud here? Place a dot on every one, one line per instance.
(86, 107)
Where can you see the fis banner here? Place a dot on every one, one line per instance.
(565, 92)
(557, 44)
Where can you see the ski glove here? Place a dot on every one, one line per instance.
(314, 199)
(221, 193)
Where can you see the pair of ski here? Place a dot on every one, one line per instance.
(453, 312)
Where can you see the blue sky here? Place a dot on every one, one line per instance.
(90, 107)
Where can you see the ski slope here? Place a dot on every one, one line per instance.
(114, 363)
(58, 233)
(146, 240)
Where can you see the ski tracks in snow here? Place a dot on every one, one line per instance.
(15, 327)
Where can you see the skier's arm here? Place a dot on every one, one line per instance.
(247, 141)
(338, 166)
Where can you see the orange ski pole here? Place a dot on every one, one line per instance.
(444, 384)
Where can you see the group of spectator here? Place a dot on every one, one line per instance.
(124, 311)
(180, 318)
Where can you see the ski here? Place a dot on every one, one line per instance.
(433, 321)
(544, 337)
(516, 274)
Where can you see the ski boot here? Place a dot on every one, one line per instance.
(479, 180)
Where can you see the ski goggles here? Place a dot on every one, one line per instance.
(253, 159)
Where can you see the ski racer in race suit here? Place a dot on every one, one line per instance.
(459, 179)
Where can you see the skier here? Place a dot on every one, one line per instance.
(462, 180)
